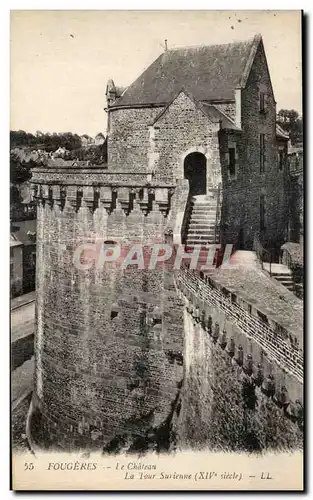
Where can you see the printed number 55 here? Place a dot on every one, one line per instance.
(28, 466)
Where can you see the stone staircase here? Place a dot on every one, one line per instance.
(281, 273)
(201, 224)
(284, 279)
(200, 230)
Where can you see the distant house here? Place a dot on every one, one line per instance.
(16, 266)
(99, 140)
(295, 159)
(22, 205)
(23, 256)
(59, 152)
(87, 141)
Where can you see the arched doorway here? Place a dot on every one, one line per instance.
(195, 172)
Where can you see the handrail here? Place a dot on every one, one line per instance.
(186, 219)
(217, 211)
(262, 254)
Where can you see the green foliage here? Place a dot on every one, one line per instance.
(19, 171)
(50, 143)
(47, 142)
(291, 122)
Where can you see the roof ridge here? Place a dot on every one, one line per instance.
(254, 47)
(204, 45)
(206, 71)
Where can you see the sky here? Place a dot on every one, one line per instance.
(60, 61)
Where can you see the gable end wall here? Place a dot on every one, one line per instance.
(241, 206)
(182, 129)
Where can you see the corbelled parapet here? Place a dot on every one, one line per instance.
(269, 358)
(243, 378)
(77, 185)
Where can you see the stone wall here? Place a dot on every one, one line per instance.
(238, 391)
(182, 129)
(241, 195)
(158, 139)
(177, 216)
(128, 138)
(108, 341)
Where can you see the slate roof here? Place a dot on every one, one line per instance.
(207, 72)
(215, 115)
(119, 90)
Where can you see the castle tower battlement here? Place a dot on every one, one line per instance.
(80, 185)
(105, 337)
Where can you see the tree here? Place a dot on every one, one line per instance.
(47, 141)
(70, 141)
(291, 122)
(19, 171)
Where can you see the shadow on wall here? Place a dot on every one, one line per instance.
(245, 206)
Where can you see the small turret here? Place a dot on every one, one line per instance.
(110, 92)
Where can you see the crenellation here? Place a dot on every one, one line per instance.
(127, 198)
(288, 359)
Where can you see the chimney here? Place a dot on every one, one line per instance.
(165, 42)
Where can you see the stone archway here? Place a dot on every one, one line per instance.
(195, 171)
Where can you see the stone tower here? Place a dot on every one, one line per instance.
(108, 340)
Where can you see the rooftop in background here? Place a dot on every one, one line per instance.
(24, 231)
(23, 300)
(14, 241)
